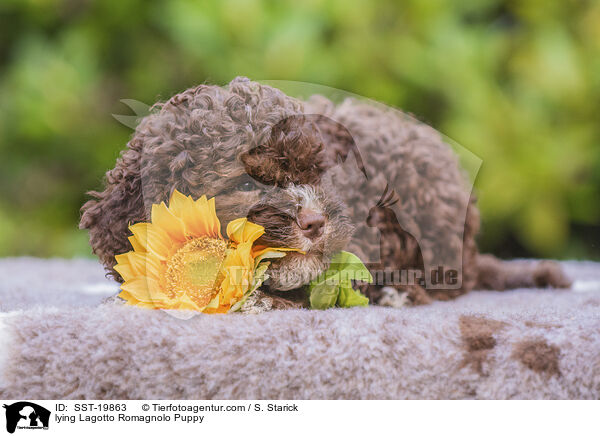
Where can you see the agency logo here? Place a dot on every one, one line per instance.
(26, 415)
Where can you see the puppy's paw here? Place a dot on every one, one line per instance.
(113, 300)
(256, 303)
(391, 297)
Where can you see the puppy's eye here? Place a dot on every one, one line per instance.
(247, 186)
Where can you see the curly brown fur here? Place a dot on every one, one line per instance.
(434, 221)
(268, 156)
(109, 214)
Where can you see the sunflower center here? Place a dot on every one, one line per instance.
(195, 270)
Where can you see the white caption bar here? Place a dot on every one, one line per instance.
(297, 417)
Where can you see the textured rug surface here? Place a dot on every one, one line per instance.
(58, 341)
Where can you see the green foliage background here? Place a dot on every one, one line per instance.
(516, 82)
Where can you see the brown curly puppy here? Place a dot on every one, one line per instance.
(318, 176)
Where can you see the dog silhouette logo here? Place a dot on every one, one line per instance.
(26, 415)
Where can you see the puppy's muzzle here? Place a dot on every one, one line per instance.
(311, 223)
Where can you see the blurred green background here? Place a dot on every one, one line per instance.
(516, 82)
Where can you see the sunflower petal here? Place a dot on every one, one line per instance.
(164, 219)
(138, 289)
(259, 250)
(158, 296)
(137, 261)
(184, 208)
(186, 303)
(261, 253)
(205, 209)
(216, 306)
(235, 230)
(153, 239)
(201, 219)
(214, 303)
(140, 235)
(136, 245)
(125, 270)
(216, 224)
(179, 203)
(244, 252)
(241, 230)
(154, 268)
(132, 301)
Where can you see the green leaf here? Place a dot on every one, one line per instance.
(350, 297)
(350, 267)
(334, 286)
(323, 296)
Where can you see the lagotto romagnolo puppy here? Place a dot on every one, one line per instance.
(319, 176)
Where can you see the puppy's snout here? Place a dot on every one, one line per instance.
(311, 223)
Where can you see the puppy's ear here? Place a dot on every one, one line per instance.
(339, 143)
(109, 214)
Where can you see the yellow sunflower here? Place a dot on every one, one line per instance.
(181, 261)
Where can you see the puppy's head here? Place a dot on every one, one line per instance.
(281, 187)
(297, 206)
(252, 148)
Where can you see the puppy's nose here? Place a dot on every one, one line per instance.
(311, 223)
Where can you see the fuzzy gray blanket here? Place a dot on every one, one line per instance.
(59, 342)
